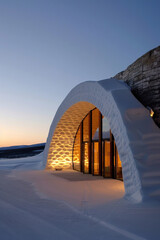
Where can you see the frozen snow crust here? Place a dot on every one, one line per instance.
(136, 135)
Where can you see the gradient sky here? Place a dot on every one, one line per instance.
(49, 46)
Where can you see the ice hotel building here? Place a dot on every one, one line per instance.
(111, 128)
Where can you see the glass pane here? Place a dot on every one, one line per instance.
(106, 170)
(86, 129)
(96, 158)
(76, 152)
(105, 129)
(119, 166)
(95, 124)
(85, 155)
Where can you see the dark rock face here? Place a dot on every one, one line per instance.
(143, 76)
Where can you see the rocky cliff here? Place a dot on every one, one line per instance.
(143, 76)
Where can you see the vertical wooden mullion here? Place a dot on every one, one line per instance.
(90, 142)
(115, 161)
(100, 143)
(103, 158)
(81, 148)
(93, 158)
(112, 155)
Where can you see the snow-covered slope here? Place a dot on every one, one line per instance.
(35, 162)
(21, 151)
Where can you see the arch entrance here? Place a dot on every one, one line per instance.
(126, 118)
(94, 148)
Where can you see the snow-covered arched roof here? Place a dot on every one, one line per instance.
(136, 135)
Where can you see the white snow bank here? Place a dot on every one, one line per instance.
(34, 162)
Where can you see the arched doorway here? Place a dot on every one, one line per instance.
(136, 135)
(94, 148)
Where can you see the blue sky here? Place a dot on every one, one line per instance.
(48, 47)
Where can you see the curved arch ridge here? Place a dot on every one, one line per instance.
(136, 135)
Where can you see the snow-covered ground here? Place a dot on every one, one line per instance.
(41, 204)
(34, 162)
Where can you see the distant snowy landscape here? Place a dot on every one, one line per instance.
(43, 204)
(21, 151)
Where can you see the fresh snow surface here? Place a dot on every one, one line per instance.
(41, 204)
(34, 162)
